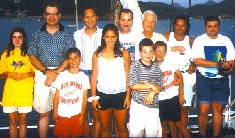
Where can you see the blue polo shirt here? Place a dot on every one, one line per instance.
(51, 49)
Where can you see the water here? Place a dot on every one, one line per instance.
(31, 25)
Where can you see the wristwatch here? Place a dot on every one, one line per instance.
(45, 71)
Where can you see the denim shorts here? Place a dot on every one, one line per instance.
(212, 89)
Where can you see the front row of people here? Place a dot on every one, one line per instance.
(152, 90)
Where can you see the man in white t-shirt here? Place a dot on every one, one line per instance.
(128, 37)
(214, 56)
(88, 40)
(179, 47)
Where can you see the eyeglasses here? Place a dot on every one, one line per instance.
(162, 51)
(54, 14)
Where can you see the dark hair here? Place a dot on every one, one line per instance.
(161, 43)
(11, 47)
(89, 7)
(51, 3)
(146, 42)
(73, 50)
(212, 18)
(126, 11)
(182, 17)
(117, 47)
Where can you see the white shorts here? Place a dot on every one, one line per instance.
(144, 121)
(43, 95)
(188, 94)
(189, 81)
(12, 109)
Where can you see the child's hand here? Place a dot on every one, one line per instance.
(48, 82)
(22, 76)
(80, 121)
(191, 69)
(155, 88)
(181, 99)
(127, 102)
(95, 105)
(55, 116)
(149, 98)
(176, 81)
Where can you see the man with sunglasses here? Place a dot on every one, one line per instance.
(47, 50)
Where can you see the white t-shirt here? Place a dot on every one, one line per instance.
(183, 59)
(217, 49)
(71, 87)
(168, 69)
(87, 45)
(130, 42)
(155, 37)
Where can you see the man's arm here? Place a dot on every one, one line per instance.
(51, 74)
(37, 63)
(204, 63)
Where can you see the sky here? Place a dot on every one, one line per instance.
(184, 3)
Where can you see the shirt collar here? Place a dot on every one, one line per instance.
(61, 27)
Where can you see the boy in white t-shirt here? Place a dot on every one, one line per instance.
(70, 98)
(172, 96)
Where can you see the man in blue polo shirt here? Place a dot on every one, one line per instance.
(47, 50)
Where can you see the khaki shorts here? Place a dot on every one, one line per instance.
(43, 95)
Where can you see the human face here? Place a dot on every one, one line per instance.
(74, 61)
(180, 27)
(90, 19)
(52, 16)
(212, 29)
(110, 38)
(146, 54)
(160, 53)
(125, 22)
(17, 39)
(149, 22)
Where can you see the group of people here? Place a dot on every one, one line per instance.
(144, 78)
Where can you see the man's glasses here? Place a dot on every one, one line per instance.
(54, 14)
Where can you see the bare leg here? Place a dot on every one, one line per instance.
(105, 120)
(96, 125)
(120, 117)
(217, 117)
(182, 129)
(164, 129)
(173, 129)
(43, 124)
(23, 125)
(184, 118)
(203, 118)
(86, 123)
(13, 119)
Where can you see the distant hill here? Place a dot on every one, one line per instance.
(224, 9)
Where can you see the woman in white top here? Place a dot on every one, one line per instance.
(109, 78)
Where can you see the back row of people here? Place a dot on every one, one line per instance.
(103, 59)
